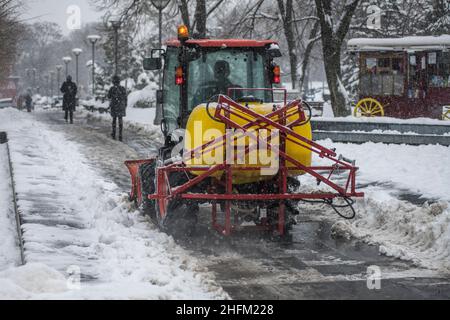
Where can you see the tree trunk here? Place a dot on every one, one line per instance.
(332, 39)
(288, 26)
(338, 97)
(200, 19)
(184, 9)
(307, 55)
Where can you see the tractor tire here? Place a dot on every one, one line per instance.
(290, 212)
(147, 175)
(181, 218)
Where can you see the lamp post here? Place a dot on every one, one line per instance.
(93, 39)
(160, 5)
(116, 26)
(34, 78)
(52, 76)
(58, 77)
(67, 60)
(77, 53)
(46, 78)
(28, 73)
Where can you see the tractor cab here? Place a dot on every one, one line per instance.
(195, 71)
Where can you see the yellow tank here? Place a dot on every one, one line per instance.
(201, 128)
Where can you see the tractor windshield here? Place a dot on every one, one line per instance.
(215, 71)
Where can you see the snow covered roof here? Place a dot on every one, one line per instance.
(400, 44)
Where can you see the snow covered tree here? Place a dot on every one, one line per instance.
(333, 36)
(390, 19)
(10, 32)
(129, 54)
(291, 22)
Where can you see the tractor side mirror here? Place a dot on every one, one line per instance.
(160, 97)
(152, 64)
(155, 61)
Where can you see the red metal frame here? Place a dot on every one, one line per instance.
(133, 168)
(278, 119)
(218, 43)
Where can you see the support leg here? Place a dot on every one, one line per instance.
(120, 128)
(114, 124)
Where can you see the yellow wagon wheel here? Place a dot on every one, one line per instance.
(368, 107)
(446, 115)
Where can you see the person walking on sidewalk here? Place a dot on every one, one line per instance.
(28, 100)
(69, 89)
(118, 101)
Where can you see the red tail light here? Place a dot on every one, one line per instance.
(179, 76)
(276, 74)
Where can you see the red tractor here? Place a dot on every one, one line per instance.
(230, 147)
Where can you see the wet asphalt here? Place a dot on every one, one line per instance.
(311, 264)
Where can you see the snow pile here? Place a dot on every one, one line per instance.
(418, 233)
(9, 252)
(386, 120)
(327, 110)
(403, 230)
(148, 95)
(107, 241)
(97, 104)
(28, 281)
(420, 169)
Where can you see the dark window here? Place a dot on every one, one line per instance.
(382, 74)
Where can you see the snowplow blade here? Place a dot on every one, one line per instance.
(133, 167)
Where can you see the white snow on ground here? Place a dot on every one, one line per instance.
(141, 116)
(147, 94)
(138, 119)
(9, 252)
(421, 169)
(417, 233)
(385, 120)
(126, 255)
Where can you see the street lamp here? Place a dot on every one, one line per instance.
(77, 53)
(52, 76)
(93, 39)
(46, 78)
(67, 60)
(160, 5)
(116, 26)
(58, 77)
(34, 78)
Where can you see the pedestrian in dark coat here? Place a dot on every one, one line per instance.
(118, 101)
(28, 101)
(69, 89)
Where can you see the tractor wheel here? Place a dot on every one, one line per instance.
(290, 212)
(368, 107)
(446, 116)
(147, 175)
(181, 215)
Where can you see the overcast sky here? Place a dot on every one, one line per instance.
(56, 11)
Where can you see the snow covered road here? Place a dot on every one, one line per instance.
(77, 224)
(313, 265)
